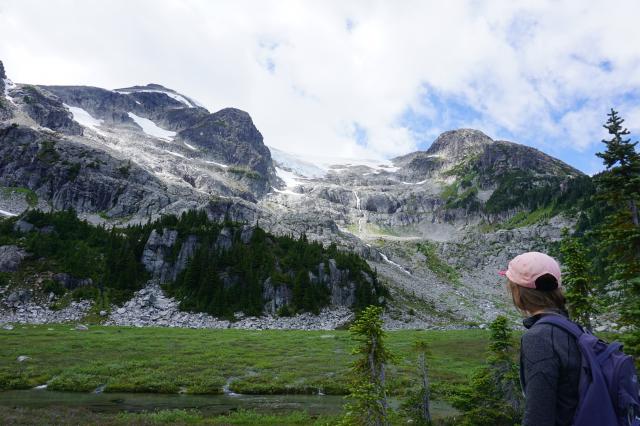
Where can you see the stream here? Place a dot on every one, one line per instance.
(207, 404)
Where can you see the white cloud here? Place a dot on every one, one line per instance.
(308, 71)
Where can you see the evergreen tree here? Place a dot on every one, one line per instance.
(418, 403)
(619, 234)
(493, 397)
(575, 279)
(368, 389)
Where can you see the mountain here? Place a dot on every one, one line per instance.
(434, 224)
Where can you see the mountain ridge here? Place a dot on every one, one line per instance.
(135, 154)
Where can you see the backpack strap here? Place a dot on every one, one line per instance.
(562, 322)
(602, 356)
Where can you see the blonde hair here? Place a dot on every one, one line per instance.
(530, 300)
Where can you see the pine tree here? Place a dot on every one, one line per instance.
(418, 404)
(619, 234)
(368, 389)
(493, 397)
(575, 279)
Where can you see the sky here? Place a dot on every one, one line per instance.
(372, 79)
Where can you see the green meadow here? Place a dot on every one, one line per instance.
(210, 362)
(167, 360)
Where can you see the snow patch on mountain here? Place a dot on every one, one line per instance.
(295, 164)
(8, 85)
(391, 262)
(191, 147)
(286, 191)
(224, 166)
(151, 128)
(6, 213)
(175, 154)
(85, 119)
(319, 166)
(178, 97)
(289, 178)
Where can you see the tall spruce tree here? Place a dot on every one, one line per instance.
(619, 234)
(493, 397)
(575, 279)
(418, 405)
(369, 405)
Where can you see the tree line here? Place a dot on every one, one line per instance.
(217, 281)
(601, 257)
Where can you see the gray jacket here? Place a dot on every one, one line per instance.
(549, 373)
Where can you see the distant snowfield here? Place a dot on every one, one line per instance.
(8, 85)
(224, 166)
(151, 128)
(85, 119)
(172, 95)
(319, 166)
(289, 178)
(296, 164)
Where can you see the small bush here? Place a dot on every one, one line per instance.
(55, 287)
(284, 311)
(85, 293)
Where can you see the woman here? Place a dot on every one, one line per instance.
(549, 357)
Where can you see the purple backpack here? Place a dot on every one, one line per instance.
(609, 391)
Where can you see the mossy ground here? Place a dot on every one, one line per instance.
(166, 360)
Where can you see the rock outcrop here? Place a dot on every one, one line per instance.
(161, 261)
(70, 175)
(150, 307)
(11, 257)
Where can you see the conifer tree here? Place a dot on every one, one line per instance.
(418, 404)
(368, 389)
(619, 234)
(493, 397)
(575, 279)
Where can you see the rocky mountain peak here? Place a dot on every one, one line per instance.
(455, 144)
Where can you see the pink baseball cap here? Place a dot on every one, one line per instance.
(525, 269)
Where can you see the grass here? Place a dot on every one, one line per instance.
(372, 229)
(442, 269)
(526, 218)
(243, 171)
(522, 218)
(76, 416)
(166, 360)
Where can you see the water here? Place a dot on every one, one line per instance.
(207, 404)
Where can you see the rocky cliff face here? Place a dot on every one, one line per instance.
(454, 196)
(160, 259)
(179, 153)
(71, 175)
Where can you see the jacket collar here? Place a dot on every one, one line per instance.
(530, 321)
